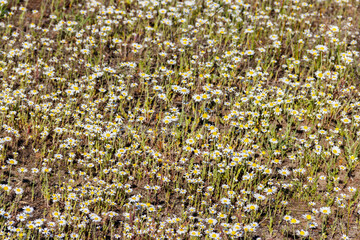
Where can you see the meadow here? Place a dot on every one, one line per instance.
(179, 119)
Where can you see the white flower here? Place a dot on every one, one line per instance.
(251, 207)
(95, 217)
(336, 150)
(197, 97)
(189, 3)
(346, 120)
(28, 209)
(18, 191)
(284, 172)
(214, 235)
(211, 221)
(325, 210)
(134, 198)
(195, 233)
(185, 41)
(321, 48)
(225, 201)
(302, 233)
(344, 237)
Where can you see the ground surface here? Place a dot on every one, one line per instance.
(229, 119)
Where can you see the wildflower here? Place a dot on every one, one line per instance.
(18, 191)
(251, 207)
(353, 158)
(74, 235)
(12, 161)
(285, 172)
(21, 217)
(225, 201)
(346, 120)
(302, 233)
(62, 222)
(325, 210)
(205, 116)
(321, 48)
(211, 221)
(352, 189)
(22, 170)
(135, 198)
(95, 217)
(312, 225)
(195, 234)
(259, 196)
(214, 235)
(336, 150)
(5, 187)
(344, 237)
(319, 75)
(28, 209)
(197, 97)
(308, 217)
(46, 170)
(294, 221)
(185, 41)
(305, 128)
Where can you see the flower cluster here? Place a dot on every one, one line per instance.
(147, 119)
